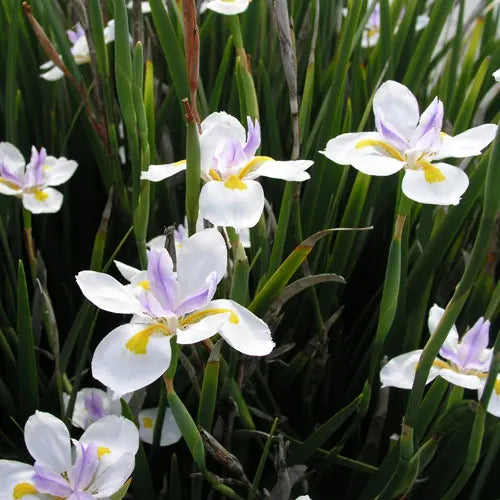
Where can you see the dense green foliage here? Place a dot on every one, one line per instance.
(310, 417)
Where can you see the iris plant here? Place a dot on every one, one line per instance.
(164, 303)
(231, 195)
(407, 140)
(463, 362)
(32, 182)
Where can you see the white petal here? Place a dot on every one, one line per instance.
(286, 170)
(370, 160)
(203, 329)
(468, 143)
(435, 315)
(9, 191)
(81, 418)
(44, 201)
(227, 7)
(58, 170)
(422, 22)
(13, 473)
(446, 192)
(48, 441)
(156, 173)
(496, 75)
(198, 256)
(128, 272)
(400, 371)
(118, 434)
(107, 293)
(460, 379)
(125, 371)
(218, 127)
(12, 158)
(52, 74)
(170, 432)
(232, 207)
(249, 335)
(109, 31)
(110, 479)
(494, 404)
(157, 242)
(399, 105)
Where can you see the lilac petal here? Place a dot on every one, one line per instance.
(374, 19)
(428, 133)
(389, 132)
(8, 175)
(162, 280)
(152, 307)
(72, 36)
(85, 466)
(200, 299)
(94, 406)
(253, 138)
(51, 483)
(34, 169)
(81, 495)
(473, 343)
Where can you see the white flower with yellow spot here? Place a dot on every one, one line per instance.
(463, 362)
(32, 182)
(79, 50)
(231, 195)
(226, 7)
(96, 466)
(170, 432)
(407, 140)
(166, 303)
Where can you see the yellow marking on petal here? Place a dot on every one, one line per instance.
(143, 284)
(22, 489)
(139, 342)
(390, 150)
(148, 422)
(439, 363)
(10, 184)
(235, 183)
(214, 175)
(103, 450)
(45, 168)
(179, 163)
(253, 164)
(40, 195)
(432, 173)
(199, 315)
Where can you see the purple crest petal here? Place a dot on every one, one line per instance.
(199, 299)
(228, 154)
(81, 495)
(180, 234)
(389, 132)
(76, 34)
(162, 280)
(473, 344)
(94, 406)
(428, 133)
(51, 483)
(253, 138)
(152, 307)
(374, 19)
(85, 466)
(34, 169)
(9, 176)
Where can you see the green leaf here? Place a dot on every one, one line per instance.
(300, 452)
(26, 361)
